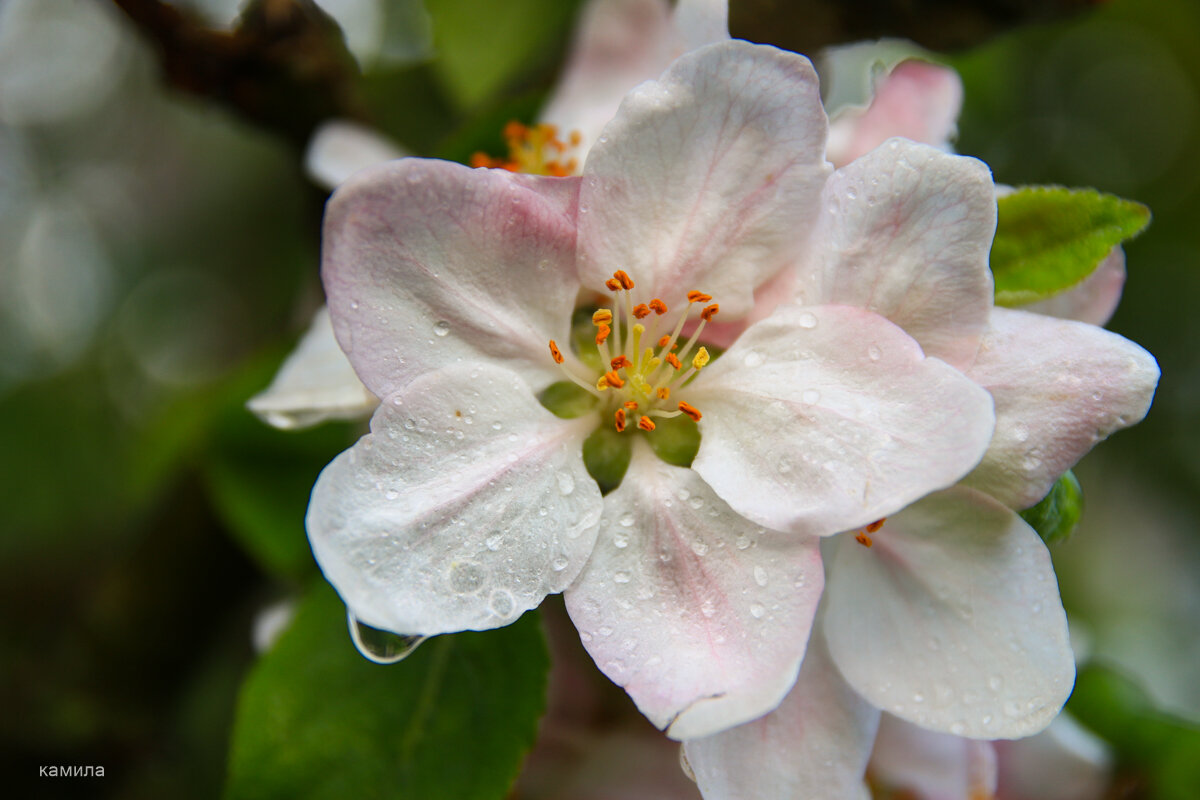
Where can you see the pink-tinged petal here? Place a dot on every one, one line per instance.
(951, 619)
(917, 100)
(1095, 299)
(701, 615)
(823, 419)
(1060, 387)
(618, 44)
(906, 232)
(932, 766)
(465, 506)
(814, 746)
(340, 148)
(1063, 762)
(428, 263)
(708, 178)
(315, 384)
(700, 22)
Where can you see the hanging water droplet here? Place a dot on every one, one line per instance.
(807, 320)
(382, 647)
(441, 328)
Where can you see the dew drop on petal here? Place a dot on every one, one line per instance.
(760, 576)
(752, 358)
(627, 520)
(559, 563)
(441, 328)
(566, 483)
(493, 542)
(391, 494)
(501, 603)
(466, 577)
(621, 577)
(807, 320)
(874, 353)
(757, 610)
(382, 647)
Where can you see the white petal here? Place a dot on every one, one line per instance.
(1060, 387)
(315, 383)
(952, 619)
(1095, 299)
(814, 746)
(826, 418)
(1063, 762)
(428, 263)
(466, 505)
(340, 148)
(934, 766)
(707, 178)
(700, 614)
(618, 44)
(700, 22)
(905, 231)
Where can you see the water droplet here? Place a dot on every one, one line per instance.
(851, 194)
(757, 610)
(620, 540)
(354, 305)
(1012, 709)
(566, 483)
(743, 541)
(621, 577)
(391, 494)
(493, 542)
(752, 358)
(627, 520)
(810, 396)
(410, 424)
(559, 563)
(501, 603)
(874, 353)
(696, 503)
(441, 328)
(958, 728)
(807, 320)
(995, 683)
(496, 426)
(760, 576)
(1020, 432)
(700, 547)
(918, 698)
(382, 647)
(784, 466)
(466, 577)
(707, 608)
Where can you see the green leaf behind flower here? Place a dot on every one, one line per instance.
(1056, 515)
(1050, 238)
(453, 720)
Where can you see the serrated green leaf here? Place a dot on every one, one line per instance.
(1056, 515)
(483, 47)
(316, 720)
(1050, 238)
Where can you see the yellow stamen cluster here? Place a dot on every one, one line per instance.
(535, 150)
(639, 380)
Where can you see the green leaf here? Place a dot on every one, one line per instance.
(567, 400)
(1152, 748)
(483, 47)
(1056, 514)
(607, 454)
(1050, 238)
(453, 720)
(676, 440)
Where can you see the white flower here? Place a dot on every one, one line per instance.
(469, 502)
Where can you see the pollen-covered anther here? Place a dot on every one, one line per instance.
(658, 306)
(690, 411)
(555, 353)
(631, 405)
(620, 420)
(701, 358)
(613, 379)
(601, 316)
(875, 526)
(602, 333)
(613, 285)
(646, 424)
(698, 297)
(622, 277)
(673, 360)
(663, 392)
(709, 312)
(862, 538)
(641, 311)
(619, 362)
(664, 340)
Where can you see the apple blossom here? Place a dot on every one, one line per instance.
(451, 290)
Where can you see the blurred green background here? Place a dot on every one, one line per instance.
(158, 257)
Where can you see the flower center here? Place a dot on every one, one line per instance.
(645, 364)
(535, 150)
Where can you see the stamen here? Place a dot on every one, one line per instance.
(641, 311)
(623, 278)
(674, 361)
(709, 312)
(601, 316)
(663, 341)
(698, 297)
(658, 306)
(555, 353)
(646, 424)
(619, 362)
(663, 393)
(702, 358)
(631, 405)
(613, 379)
(862, 538)
(690, 410)
(602, 334)
(876, 525)
(620, 420)
(602, 383)
(613, 285)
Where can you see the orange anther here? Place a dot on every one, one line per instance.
(620, 420)
(646, 424)
(709, 312)
(575, 138)
(698, 297)
(623, 278)
(874, 526)
(601, 316)
(641, 311)
(515, 130)
(613, 379)
(658, 306)
(690, 411)
(613, 284)
(555, 352)
(663, 341)
(863, 539)
(602, 333)
(673, 360)
(631, 405)
(663, 392)
(619, 362)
